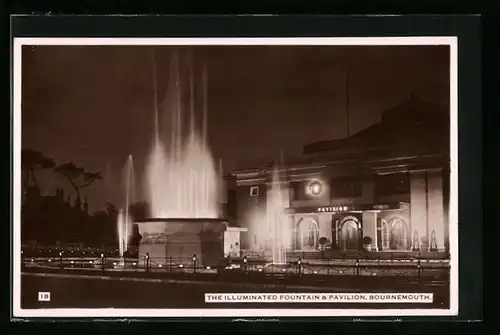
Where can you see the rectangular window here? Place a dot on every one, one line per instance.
(297, 191)
(346, 187)
(254, 191)
(392, 184)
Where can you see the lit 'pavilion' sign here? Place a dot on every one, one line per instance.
(345, 208)
(333, 209)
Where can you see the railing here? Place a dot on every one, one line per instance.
(337, 254)
(356, 268)
(413, 270)
(46, 251)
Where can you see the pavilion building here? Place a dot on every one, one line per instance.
(389, 182)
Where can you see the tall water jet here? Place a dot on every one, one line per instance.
(123, 221)
(120, 227)
(183, 182)
(276, 219)
(129, 193)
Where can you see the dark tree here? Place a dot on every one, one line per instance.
(77, 177)
(32, 161)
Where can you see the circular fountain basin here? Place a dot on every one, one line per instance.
(188, 241)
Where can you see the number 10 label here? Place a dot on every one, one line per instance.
(43, 296)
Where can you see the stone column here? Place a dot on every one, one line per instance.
(436, 219)
(370, 227)
(325, 226)
(287, 232)
(418, 208)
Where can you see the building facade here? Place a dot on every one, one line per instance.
(389, 182)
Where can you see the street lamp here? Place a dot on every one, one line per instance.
(61, 259)
(194, 263)
(102, 262)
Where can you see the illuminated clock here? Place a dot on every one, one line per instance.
(315, 188)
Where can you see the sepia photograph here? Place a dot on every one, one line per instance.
(235, 177)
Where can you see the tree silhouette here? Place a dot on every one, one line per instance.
(31, 161)
(77, 177)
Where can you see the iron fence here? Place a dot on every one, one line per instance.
(421, 270)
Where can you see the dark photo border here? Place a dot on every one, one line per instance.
(466, 28)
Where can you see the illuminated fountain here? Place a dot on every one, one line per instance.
(276, 220)
(279, 234)
(183, 184)
(123, 220)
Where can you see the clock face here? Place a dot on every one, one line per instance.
(315, 188)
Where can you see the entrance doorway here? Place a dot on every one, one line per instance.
(395, 234)
(350, 233)
(307, 234)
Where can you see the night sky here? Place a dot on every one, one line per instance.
(94, 105)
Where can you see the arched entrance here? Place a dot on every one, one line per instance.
(307, 234)
(395, 234)
(350, 233)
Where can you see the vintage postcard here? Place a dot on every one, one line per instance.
(235, 177)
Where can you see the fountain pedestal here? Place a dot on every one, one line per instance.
(180, 239)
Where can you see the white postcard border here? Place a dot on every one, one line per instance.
(18, 312)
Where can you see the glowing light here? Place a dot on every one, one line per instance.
(160, 266)
(181, 266)
(208, 267)
(72, 262)
(260, 270)
(181, 175)
(123, 231)
(279, 233)
(134, 264)
(90, 262)
(114, 263)
(315, 188)
(32, 260)
(50, 260)
(284, 270)
(102, 255)
(315, 272)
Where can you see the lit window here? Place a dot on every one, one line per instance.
(254, 191)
